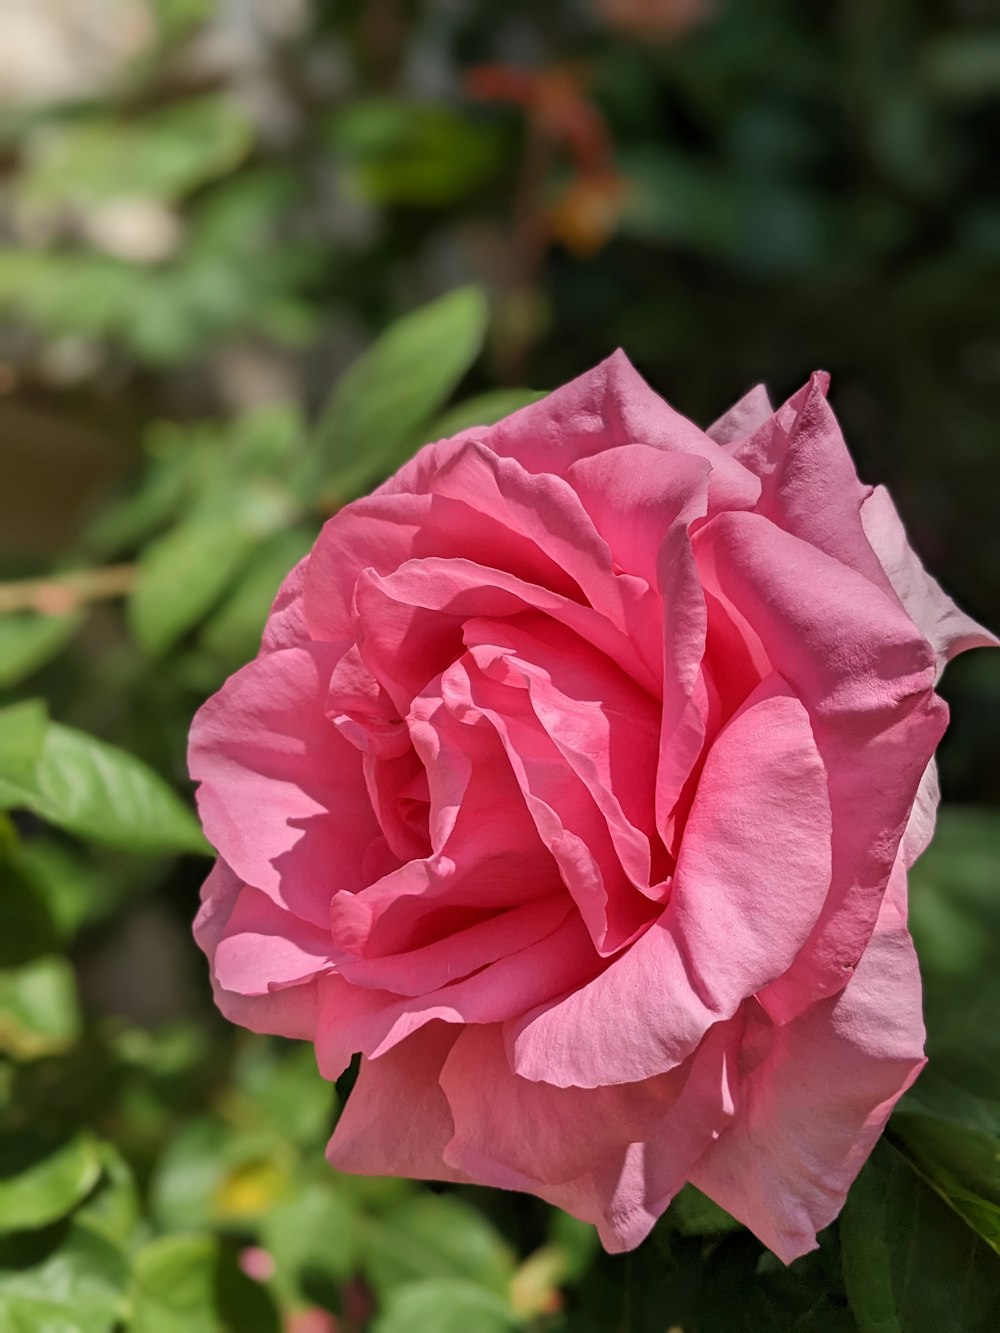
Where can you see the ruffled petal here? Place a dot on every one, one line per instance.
(609, 406)
(948, 630)
(865, 674)
(397, 1121)
(751, 880)
(290, 1012)
(263, 947)
(817, 1098)
(282, 794)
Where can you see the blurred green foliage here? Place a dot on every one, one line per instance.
(251, 256)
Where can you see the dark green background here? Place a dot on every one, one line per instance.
(199, 233)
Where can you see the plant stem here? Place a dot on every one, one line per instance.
(58, 596)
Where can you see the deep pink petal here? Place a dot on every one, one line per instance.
(809, 485)
(817, 1097)
(290, 1012)
(569, 821)
(409, 623)
(263, 947)
(397, 1121)
(625, 1194)
(282, 794)
(751, 879)
(609, 406)
(353, 1018)
(605, 728)
(865, 675)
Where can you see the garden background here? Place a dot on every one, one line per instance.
(211, 212)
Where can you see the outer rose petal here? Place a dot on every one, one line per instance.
(817, 1098)
(286, 621)
(865, 673)
(614, 1156)
(263, 947)
(949, 630)
(284, 1013)
(742, 419)
(397, 1120)
(519, 1134)
(282, 795)
(610, 405)
(809, 485)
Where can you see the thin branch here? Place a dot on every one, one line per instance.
(58, 596)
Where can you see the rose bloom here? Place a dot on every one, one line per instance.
(575, 786)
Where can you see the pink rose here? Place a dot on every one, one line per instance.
(575, 786)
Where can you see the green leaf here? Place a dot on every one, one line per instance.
(64, 1279)
(911, 1265)
(233, 632)
(436, 1235)
(113, 1209)
(98, 791)
(416, 153)
(483, 410)
(694, 1214)
(961, 1164)
(41, 1182)
(22, 739)
(161, 156)
(445, 1305)
(379, 405)
(28, 642)
(948, 1125)
(312, 1234)
(39, 1011)
(191, 1284)
(184, 573)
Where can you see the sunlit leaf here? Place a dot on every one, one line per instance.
(160, 156)
(23, 728)
(39, 1010)
(191, 1284)
(98, 791)
(376, 408)
(445, 1305)
(436, 1236)
(41, 1182)
(64, 1279)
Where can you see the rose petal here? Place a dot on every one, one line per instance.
(292, 1012)
(626, 1193)
(263, 947)
(743, 418)
(865, 674)
(373, 1138)
(818, 1097)
(282, 794)
(569, 822)
(353, 1018)
(609, 406)
(809, 485)
(384, 530)
(518, 1135)
(949, 630)
(751, 879)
